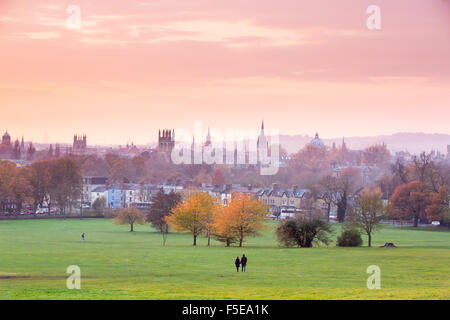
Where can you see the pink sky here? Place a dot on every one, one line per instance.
(302, 66)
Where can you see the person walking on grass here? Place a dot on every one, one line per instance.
(82, 237)
(237, 262)
(244, 262)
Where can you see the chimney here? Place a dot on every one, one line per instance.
(275, 186)
(294, 188)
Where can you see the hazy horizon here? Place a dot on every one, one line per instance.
(138, 66)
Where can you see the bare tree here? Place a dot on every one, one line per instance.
(328, 187)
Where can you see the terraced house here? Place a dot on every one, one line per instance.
(285, 203)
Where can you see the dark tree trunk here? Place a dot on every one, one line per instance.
(228, 242)
(131, 225)
(328, 212)
(209, 241)
(195, 240)
(240, 242)
(416, 221)
(369, 240)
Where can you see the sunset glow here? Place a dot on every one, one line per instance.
(304, 66)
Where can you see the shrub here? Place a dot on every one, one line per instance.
(349, 238)
(303, 233)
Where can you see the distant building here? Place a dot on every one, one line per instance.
(166, 141)
(79, 144)
(317, 142)
(6, 139)
(90, 184)
(98, 193)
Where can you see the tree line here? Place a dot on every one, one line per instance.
(47, 183)
(201, 214)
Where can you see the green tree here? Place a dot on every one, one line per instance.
(302, 232)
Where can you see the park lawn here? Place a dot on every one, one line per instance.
(118, 264)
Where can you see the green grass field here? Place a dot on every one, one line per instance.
(117, 264)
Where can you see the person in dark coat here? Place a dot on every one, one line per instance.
(244, 262)
(237, 262)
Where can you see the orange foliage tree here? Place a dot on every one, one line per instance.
(439, 208)
(195, 215)
(243, 217)
(409, 201)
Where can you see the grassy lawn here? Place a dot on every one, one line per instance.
(117, 264)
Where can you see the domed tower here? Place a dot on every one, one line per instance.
(317, 142)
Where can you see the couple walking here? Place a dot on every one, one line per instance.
(242, 262)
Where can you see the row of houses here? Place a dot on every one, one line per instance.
(281, 202)
(121, 195)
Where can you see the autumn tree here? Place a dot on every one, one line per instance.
(439, 208)
(20, 188)
(367, 212)
(409, 201)
(131, 216)
(195, 215)
(311, 159)
(65, 182)
(40, 180)
(121, 171)
(377, 155)
(7, 172)
(218, 178)
(162, 205)
(243, 217)
(224, 231)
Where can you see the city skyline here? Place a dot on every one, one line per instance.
(121, 76)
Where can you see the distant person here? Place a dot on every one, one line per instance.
(244, 262)
(82, 237)
(237, 262)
